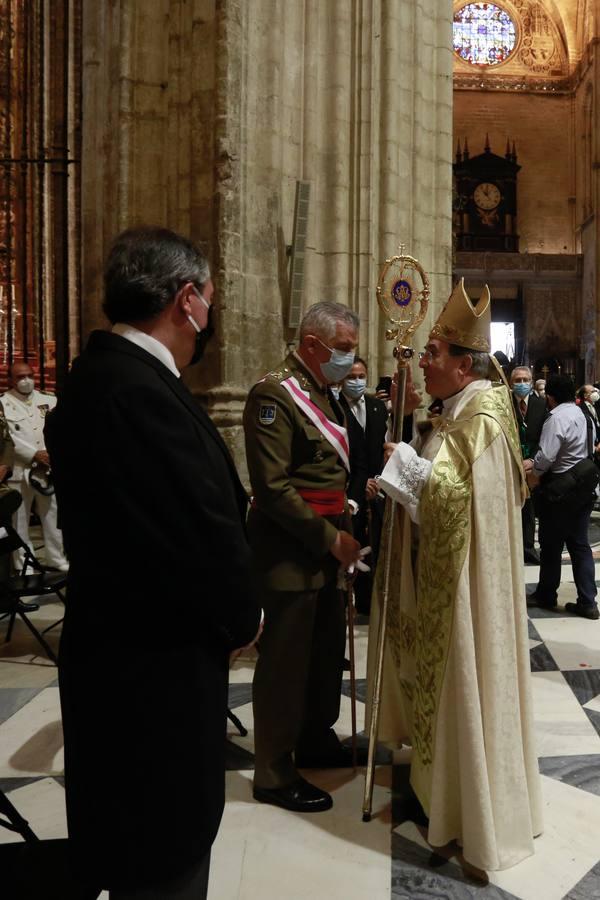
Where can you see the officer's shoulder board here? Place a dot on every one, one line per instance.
(267, 412)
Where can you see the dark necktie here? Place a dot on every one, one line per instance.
(523, 408)
(335, 407)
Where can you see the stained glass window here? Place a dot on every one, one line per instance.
(484, 34)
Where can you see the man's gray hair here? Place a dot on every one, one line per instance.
(522, 369)
(322, 319)
(145, 269)
(480, 361)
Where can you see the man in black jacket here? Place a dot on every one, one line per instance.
(369, 419)
(158, 582)
(531, 412)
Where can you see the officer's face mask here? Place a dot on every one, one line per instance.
(338, 365)
(203, 335)
(355, 387)
(25, 385)
(522, 389)
(594, 397)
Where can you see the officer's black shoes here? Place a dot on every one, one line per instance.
(301, 796)
(337, 758)
(586, 611)
(25, 607)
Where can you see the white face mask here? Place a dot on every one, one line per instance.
(355, 387)
(25, 385)
(594, 397)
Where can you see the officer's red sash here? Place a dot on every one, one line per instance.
(323, 502)
(331, 431)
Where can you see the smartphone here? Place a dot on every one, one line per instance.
(384, 384)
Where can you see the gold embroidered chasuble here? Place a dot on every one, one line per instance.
(456, 673)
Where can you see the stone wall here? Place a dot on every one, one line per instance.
(587, 119)
(148, 126)
(201, 115)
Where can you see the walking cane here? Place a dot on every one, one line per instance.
(403, 296)
(350, 614)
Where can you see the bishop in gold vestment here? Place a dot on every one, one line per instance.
(456, 672)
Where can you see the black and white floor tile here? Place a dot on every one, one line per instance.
(267, 852)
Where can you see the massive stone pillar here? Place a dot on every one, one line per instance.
(202, 114)
(354, 97)
(148, 122)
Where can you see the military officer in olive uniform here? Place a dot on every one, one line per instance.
(25, 410)
(297, 451)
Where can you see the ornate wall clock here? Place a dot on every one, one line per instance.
(485, 208)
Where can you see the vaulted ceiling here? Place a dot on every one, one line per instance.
(577, 19)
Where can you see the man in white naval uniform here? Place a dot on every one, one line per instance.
(25, 410)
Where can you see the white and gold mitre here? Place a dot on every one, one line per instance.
(462, 323)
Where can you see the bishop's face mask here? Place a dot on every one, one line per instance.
(203, 335)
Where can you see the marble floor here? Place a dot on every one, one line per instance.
(265, 852)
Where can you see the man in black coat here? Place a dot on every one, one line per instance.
(369, 419)
(153, 514)
(531, 412)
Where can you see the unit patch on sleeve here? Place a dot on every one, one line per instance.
(266, 415)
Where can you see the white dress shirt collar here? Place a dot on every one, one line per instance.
(147, 343)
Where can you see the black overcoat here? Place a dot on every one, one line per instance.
(153, 514)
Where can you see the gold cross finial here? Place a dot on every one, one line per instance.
(401, 249)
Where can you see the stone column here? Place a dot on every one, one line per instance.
(147, 126)
(201, 115)
(355, 97)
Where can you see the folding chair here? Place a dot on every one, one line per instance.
(13, 588)
(10, 818)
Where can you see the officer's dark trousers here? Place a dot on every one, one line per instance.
(560, 525)
(367, 531)
(297, 684)
(528, 520)
(193, 885)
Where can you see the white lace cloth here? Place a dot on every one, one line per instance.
(403, 478)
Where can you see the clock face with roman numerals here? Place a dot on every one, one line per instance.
(487, 196)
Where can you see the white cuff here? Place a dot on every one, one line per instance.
(403, 478)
